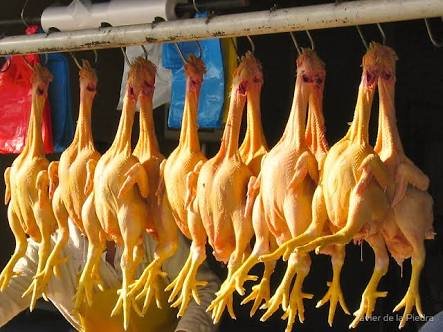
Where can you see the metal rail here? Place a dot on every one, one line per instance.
(252, 23)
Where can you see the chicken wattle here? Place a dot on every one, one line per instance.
(27, 190)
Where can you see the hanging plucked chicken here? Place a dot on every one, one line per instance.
(108, 213)
(27, 190)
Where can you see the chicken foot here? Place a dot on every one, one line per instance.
(370, 293)
(243, 230)
(90, 277)
(149, 285)
(334, 295)
(186, 282)
(42, 213)
(21, 244)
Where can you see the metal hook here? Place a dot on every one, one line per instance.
(310, 40)
(77, 63)
(6, 65)
(297, 47)
(46, 59)
(23, 12)
(199, 49)
(431, 36)
(235, 48)
(28, 63)
(95, 56)
(180, 53)
(75, 60)
(251, 42)
(145, 51)
(382, 32)
(362, 37)
(125, 56)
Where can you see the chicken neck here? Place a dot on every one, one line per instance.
(34, 140)
(295, 128)
(315, 126)
(189, 132)
(122, 141)
(83, 133)
(358, 131)
(388, 138)
(147, 145)
(229, 143)
(254, 137)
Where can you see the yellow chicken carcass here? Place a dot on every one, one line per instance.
(410, 222)
(112, 214)
(353, 195)
(27, 190)
(222, 184)
(288, 177)
(70, 173)
(251, 152)
(160, 223)
(174, 172)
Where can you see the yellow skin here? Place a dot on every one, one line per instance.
(112, 214)
(223, 183)
(410, 222)
(251, 151)
(70, 173)
(352, 196)
(287, 206)
(160, 222)
(27, 189)
(315, 137)
(174, 173)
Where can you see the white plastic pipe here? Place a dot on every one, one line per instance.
(253, 23)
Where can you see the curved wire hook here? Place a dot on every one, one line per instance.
(297, 46)
(431, 36)
(180, 53)
(200, 54)
(22, 16)
(235, 48)
(6, 65)
(251, 42)
(145, 51)
(310, 40)
(95, 56)
(125, 56)
(382, 33)
(362, 37)
(46, 59)
(77, 63)
(28, 63)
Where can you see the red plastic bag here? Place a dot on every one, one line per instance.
(15, 106)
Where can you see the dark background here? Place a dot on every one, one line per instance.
(419, 110)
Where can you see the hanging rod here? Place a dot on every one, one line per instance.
(252, 23)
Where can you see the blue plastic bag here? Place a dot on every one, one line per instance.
(212, 91)
(61, 101)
